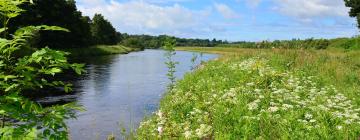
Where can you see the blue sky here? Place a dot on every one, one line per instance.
(233, 20)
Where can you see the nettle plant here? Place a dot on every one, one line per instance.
(20, 117)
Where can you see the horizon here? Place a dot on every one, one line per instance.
(231, 20)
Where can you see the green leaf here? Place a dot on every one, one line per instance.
(53, 71)
(2, 30)
(11, 87)
(9, 77)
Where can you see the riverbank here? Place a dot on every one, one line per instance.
(263, 94)
(99, 50)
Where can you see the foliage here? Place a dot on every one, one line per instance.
(61, 13)
(21, 117)
(99, 50)
(169, 47)
(102, 31)
(154, 42)
(135, 43)
(354, 9)
(311, 43)
(263, 94)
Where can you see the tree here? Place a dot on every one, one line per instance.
(102, 31)
(354, 9)
(61, 13)
(133, 42)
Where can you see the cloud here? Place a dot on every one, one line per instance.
(225, 10)
(307, 10)
(251, 3)
(167, 1)
(141, 17)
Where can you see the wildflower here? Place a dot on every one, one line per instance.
(257, 91)
(273, 109)
(203, 131)
(339, 127)
(187, 134)
(160, 114)
(348, 121)
(287, 106)
(312, 121)
(250, 84)
(253, 106)
(308, 116)
(160, 130)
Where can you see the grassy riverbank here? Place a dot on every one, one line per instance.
(99, 50)
(263, 94)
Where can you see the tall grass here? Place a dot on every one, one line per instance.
(99, 50)
(263, 94)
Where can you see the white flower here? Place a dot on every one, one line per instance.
(273, 109)
(308, 116)
(203, 131)
(287, 106)
(339, 127)
(250, 84)
(160, 130)
(160, 114)
(253, 106)
(187, 134)
(257, 91)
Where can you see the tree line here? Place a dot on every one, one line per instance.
(154, 42)
(84, 31)
(311, 43)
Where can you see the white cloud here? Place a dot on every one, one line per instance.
(306, 10)
(140, 17)
(225, 10)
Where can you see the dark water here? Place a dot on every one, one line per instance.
(119, 91)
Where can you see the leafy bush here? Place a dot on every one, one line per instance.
(22, 118)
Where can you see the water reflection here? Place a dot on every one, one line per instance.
(118, 91)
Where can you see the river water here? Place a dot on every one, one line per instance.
(120, 90)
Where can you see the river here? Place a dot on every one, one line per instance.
(120, 90)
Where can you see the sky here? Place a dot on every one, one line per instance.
(232, 20)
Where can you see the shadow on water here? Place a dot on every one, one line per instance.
(120, 90)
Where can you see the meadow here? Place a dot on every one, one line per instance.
(263, 94)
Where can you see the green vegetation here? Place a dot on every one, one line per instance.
(102, 31)
(263, 94)
(169, 47)
(99, 50)
(354, 9)
(154, 42)
(22, 118)
(345, 43)
(84, 31)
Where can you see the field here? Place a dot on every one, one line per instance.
(263, 94)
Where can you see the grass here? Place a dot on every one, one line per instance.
(263, 94)
(99, 50)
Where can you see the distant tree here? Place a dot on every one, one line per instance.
(102, 31)
(354, 9)
(133, 42)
